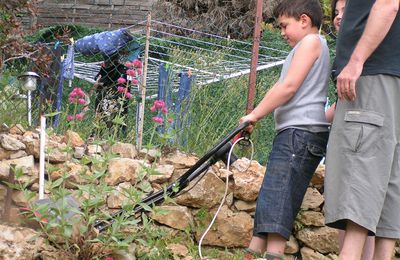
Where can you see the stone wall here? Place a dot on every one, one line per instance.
(233, 227)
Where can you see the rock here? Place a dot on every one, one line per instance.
(125, 254)
(30, 135)
(123, 170)
(5, 154)
(312, 199)
(321, 239)
(247, 184)
(162, 173)
(179, 160)
(18, 154)
(10, 143)
(292, 246)
(207, 193)
(94, 149)
(55, 152)
(177, 217)
(118, 196)
(124, 150)
(178, 250)
(73, 139)
(310, 254)
(3, 192)
(20, 200)
(19, 243)
(245, 206)
(289, 257)
(4, 128)
(149, 154)
(79, 152)
(318, 178)
(230, 229)
(75, 174)
(229, 199)
(312, 218)
(17, 130)
(26, 164)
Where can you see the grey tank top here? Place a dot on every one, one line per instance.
(306, 109)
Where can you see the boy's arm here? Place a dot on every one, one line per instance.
(380, 19)
(303, 60)
(330, 112)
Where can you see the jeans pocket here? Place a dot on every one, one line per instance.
(316, 150)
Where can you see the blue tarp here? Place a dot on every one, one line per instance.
(108, 43)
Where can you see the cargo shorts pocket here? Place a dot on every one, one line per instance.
(362, 131)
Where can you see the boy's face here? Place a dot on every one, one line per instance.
(293, 30)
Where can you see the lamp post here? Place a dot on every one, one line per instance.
(29, 83)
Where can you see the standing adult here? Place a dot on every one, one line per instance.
(362, 185)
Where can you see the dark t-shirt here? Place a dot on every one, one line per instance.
(385, 59)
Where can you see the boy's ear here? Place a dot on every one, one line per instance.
(305, 20)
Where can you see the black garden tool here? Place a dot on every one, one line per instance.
(218, 152)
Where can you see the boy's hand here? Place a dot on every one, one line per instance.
(251, 119)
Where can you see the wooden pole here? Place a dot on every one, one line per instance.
(142, 88)
(7, 203)
(254, 58)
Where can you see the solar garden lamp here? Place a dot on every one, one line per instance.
(29, 83)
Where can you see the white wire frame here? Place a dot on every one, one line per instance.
(216, 58)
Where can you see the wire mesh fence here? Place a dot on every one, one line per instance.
(202, 78)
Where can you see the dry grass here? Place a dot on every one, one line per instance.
(223, 17)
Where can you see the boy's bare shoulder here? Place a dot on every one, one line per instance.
(312, 40)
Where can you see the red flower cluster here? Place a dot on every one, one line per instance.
(77, 97)
(134, 70)
(159, 105)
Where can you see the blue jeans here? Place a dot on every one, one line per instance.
(293, 160)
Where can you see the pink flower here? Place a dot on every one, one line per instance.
(137, 63)
(77, 92)
(131, 72)
(129, 64)
(121, 80)
(108, 258)
(170, 120)
(157, 120)
(128, 95)
(72, 100)
(164, 110)
(79, 117)
(81, 101)
(159, 104)
(139, 71)
(153, 109)
(121, 89)
(135, 81)
(70, 118)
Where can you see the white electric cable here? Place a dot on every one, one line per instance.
(226, 190)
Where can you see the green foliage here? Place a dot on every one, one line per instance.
(69, 226)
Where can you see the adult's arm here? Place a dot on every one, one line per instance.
(381, 17)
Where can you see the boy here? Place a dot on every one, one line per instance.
(298, 101)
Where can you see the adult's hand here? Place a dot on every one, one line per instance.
(346, 81)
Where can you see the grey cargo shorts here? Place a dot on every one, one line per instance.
(362, 182)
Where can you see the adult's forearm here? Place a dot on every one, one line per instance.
(378, 25)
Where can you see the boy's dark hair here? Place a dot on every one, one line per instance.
(295, 8)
